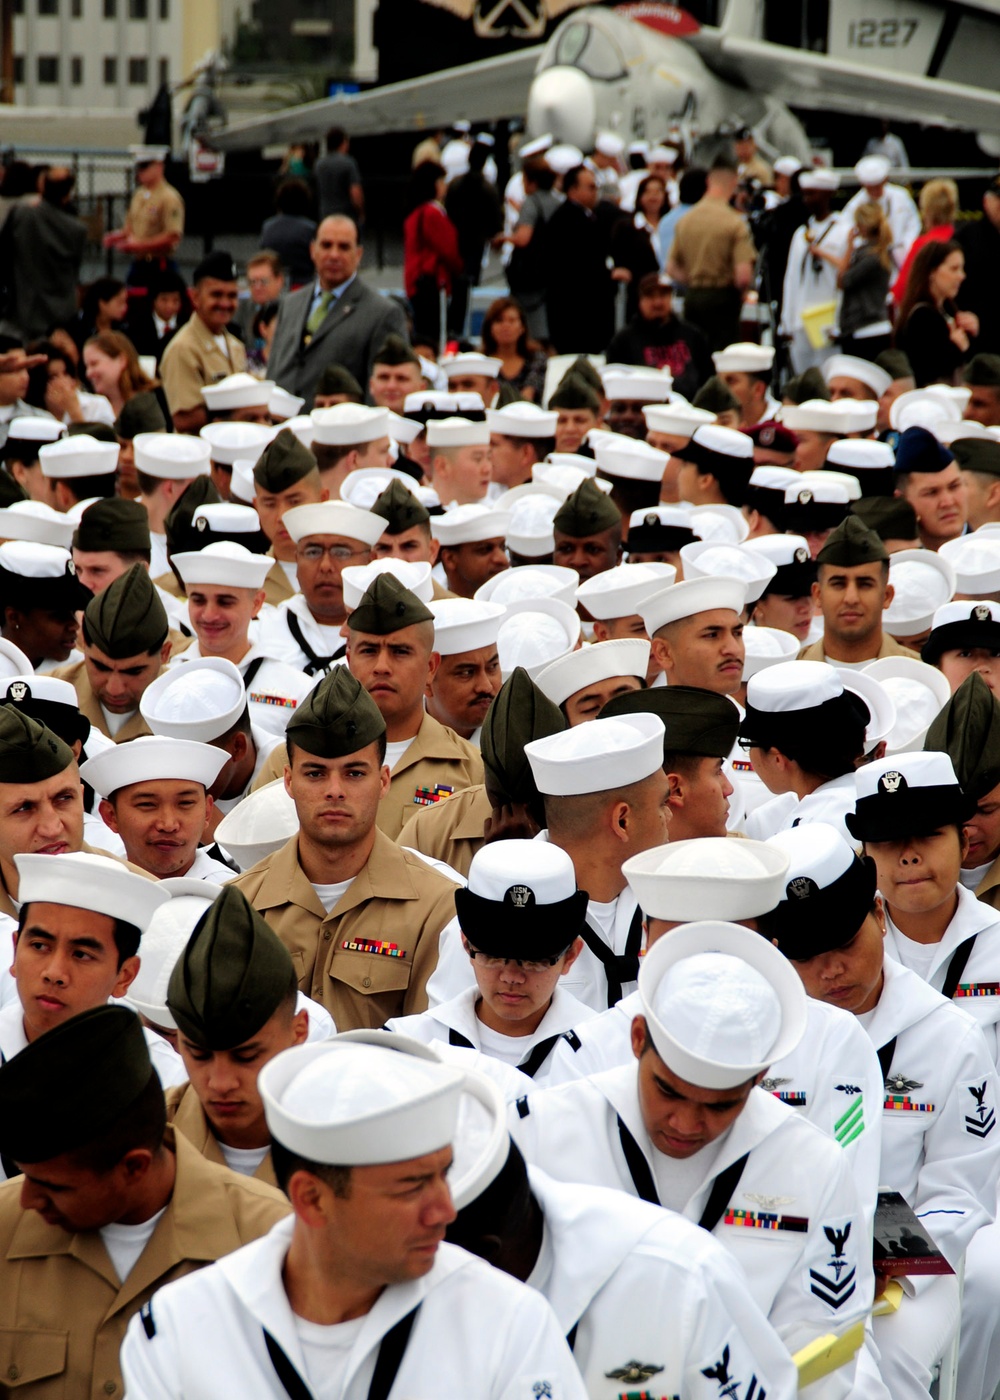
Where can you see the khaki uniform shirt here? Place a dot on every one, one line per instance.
(193, 359)
(451, 831)
(371, 956)
(152, 213)
(889, 647)
(757, 168)
(988, 889)
(63, 1310)
(709, 241)
(184, 1110)
(276, 586)
(90, 706)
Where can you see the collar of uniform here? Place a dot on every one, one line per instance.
(971, 917)
(906, 1000)
(433, 740)
(989, 882)
(385, 875)
(185, 1112)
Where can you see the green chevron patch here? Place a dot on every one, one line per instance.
(851, 1123)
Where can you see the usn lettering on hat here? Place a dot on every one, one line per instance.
(828, 891)
(910, 794)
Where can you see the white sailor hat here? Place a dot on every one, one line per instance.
(163, 942)
(587, 465)
(772, 478)
(744, 357)
(860, 455)
(923, 581)
(223, 564)
(606, 143)
(464, 624)
(13, 662)
(782, 550)
(720, 1003)
(853, 367)
(27, 428)
(698, 595)
(284, 405)
(433, 400)
(42, 687)
(241, 485)
(631, 459)
(529, 583)
(873, 170)
(345, 424)
(824, 476)
(37, 523)
(949, 431)
(819, 180)
(976, 561)
(881, 710)
(918, 692)
(81, 455)
(530, 533)
(639, 148)
(457, 432)
(706, 559)
(470, 362)
(563, 157)
(620, 591)
(679, 418)
(227, 518)
(416, 576)
(533, 633)
(151, 758)
(559, 481)
(173, 456)
(363, 486)
(909, 794)
(30, 560)
(635, 384)
(469, 524)
(333, 518)
(962, 625)
(787, 165)
(925, 408)
(84, 881)
(767, 646)
(237, 391)
(662, 155)
(707, 877)
(597, 757)
(404, 430)
(624, 656)
(229, 442)
(260, 824)
(524, 420)
(536, 147)
(350, 1104)
(797, 688)
(720, 523)
(198, 700)
(142, 154)
(856, 415)
(829, 891)
(302, 427)
(815, 415)
(821, 488)
(654, 528)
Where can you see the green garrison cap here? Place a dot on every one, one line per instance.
(386, 607)
(116, 524)
(178, 526)
(335, 379)
(715, 396)
(284, 461)
(72, 1085)
(232, 976)
(518, 714)
(29, 752)
(978, 454)
(983, 370)
(968, 731)
(339, 717)
(140, 414)
(400, 508)
(394, 350)
(584, 368)
(851, 544)
(803, 387)
(127, 617)
(10, 491)
(896, 364)
(103, 432)
(697, 722)
(587, 511)
(889, 517)
(575, 392)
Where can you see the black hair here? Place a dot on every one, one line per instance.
(423, 182)
(286, 1163)
(86, 487)
(293, 197)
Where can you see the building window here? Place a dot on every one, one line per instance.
(19, 70)
(76, 71)
(110, 9)
(110, 71)
(138, 71)
(48, 7)
(138, 9)
(48, 68)
(164, 71)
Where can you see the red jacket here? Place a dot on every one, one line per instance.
(430, 247)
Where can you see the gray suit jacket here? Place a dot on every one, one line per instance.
(354, 329)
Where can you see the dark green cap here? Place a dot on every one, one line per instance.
(896, 363)
(386, 607)
(116, 524)
(975, 454)
(284, 461)
(339, 717)
(715, 396)
(519, 714)
(103, 432)
(127, 617)
(71, 1086)
(851, 544)
(10, 491)
(178, 526)
(394, 350)
(400, 508)
(586, 511)
(983, 370)
(231, 978)
(808, 385)
(335, 379)
(29, 752)
(584, 368)
(140, 414)
(575, 392)
(890, 517)
(968, 731)
(697, 722)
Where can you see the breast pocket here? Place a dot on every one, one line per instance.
(369, 973)
(31, 1356)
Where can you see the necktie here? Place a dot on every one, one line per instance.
(318, 313)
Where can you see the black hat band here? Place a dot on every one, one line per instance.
(500, 929)
(960, 636)
(812, 920)
(811, 727)
(792, 580)
(909, 812)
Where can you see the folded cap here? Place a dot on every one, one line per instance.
(521, 900)
(140, 414)
(828, 891)
(618, 592)
(636, 384)
(852, 544)
(528, 582)
(37, 523)
(127, 617)
(519, 714)
(522, 420)
(358, 579)
(469, 524)
(923, 581)
(116, 524)
(333, 518)
(231, 442)
(29, 751)
(814, 415)
(744, 357)
(223, 565)
(918, 692)
(465, 624)
(79, 456)
(696, 722)
(178, 524)
(590, 665)
(967, 729)
(349, 424)
(457, 432)
(237, 391)
(794, 571)
(918, 450)
(338, 717)
(889, 517)
(910, 794)
(153, 758)
(283, 462)
(678, 418)
(171, 456)
(598, 756)
(588, 511)
(386, 607)
(658, 529)
(470, 362)
(709, 877)
(199, 700)
(853, 367)
(681, 600)
(27, 428)
(96, 883)
(977, 454)
(631, 460)
(399, 508)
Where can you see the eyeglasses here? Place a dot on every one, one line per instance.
(493, 964)
(339, 553)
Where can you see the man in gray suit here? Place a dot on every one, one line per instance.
(335, 320)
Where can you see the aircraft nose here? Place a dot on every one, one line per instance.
(562, 101)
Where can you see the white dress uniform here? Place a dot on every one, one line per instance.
(810, 282)
(293, 635)
(832, 1077)
(602, 1251)
(206, 867)
(899, 209)
(456, 1023)
(830, 802)
(793, 1220)
(478, 1334)
(274, 687)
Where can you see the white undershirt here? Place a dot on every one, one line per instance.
(971, 878)
(916, 956)
(329, 895)
(509, 1048)
(678, 1179)
(603, 915)
(115, 722)
(244, 1160)
(849, 665)
(327, 1351)
(125, 1243)
(865, 1018)
(394, 751)
(220, 341)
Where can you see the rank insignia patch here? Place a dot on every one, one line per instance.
(729, 1388)
(851, 1123)
(837, 1285)
(982, 1120)
(427, 796)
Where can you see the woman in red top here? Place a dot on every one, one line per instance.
(430, 250)
(938, 207)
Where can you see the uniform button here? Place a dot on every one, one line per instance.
(12, 1373)
(110, 1387)
(327, 933)
(366, 981)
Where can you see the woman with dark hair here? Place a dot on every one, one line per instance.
(430, 248)
(264, 323)
(505, 335)
(105, 307)
(55, 388)
(635, 245)
(290, 231)
(931, 331)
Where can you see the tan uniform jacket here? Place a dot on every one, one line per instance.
(63, 1311)
(184, 1110)
(90, 706)
(276, 585)
(193, 359)
(344, 959)
(451, 831)
(709, 241)
(889, 647)
(155, 212)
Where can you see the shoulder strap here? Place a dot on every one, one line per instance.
(885, 1057)
(457, 1038)
(315, 665)
(619, 969)
(956, 967)
(251, 671)
(638, 1167)
(390, 1356)
(294, 1386)
(721, 1193)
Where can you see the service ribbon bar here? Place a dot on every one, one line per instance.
(766, 1220)
(901, 1103)
(374, 946)
(977, 989)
